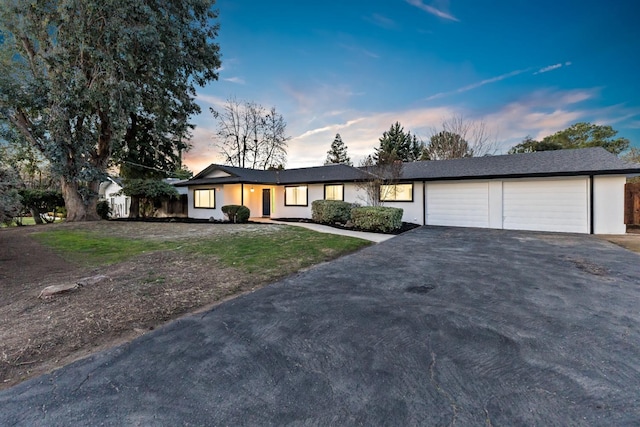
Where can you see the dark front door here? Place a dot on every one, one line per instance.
(266, 202)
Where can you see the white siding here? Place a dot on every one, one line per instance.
(461, 204)
(547, 205)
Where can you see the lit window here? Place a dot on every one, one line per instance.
(295, 196)
(204, 198)
(396, 193)
(334, 192)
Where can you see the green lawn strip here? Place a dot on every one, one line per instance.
(282, 252)
(92, 249)
(273, 253)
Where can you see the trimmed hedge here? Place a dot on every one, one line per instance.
(236, 213)
(331, 211)
(377, 218)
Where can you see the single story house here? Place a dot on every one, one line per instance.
(110, 190)
(577, 191)
(119, 203)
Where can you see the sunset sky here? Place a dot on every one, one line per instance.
(355, 67)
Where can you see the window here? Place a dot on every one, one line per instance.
(205, 198)
(334, 192)
(295, 196)
(396, 193)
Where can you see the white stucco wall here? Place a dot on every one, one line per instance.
(411, 211)
(202, 213)
(608, 195)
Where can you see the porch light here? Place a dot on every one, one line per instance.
(251, 189)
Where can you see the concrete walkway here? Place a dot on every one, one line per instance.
(439, 326)
(372, 237)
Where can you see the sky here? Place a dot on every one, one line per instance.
(353, 67)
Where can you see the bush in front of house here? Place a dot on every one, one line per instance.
(103, 209)
(236, 213)
(331, 211)
(377, 218)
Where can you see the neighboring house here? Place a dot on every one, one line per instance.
(579, 191)
(119, 203)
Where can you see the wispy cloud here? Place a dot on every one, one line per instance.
(432, 10)
(552, 67)
(237, 80)
(381, 21)
(477, 84)
(359, 50)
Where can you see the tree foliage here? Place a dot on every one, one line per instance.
(147, 195)
(447, 145)
(337, 154)
(459, 137)
(78, 76)
(40, 202)
(396, 144)
(251, 136)
(578, 135)
(10, 200)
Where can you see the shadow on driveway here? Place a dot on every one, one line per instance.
(436, 326)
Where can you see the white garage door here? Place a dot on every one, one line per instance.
(458, 204)
(546, 205)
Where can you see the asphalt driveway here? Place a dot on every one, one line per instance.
(439, 326)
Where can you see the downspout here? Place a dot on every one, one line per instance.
(242, 194)
(591, 206)
(424, 202)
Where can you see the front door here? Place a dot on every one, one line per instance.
(266, 202)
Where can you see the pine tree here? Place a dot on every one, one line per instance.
(396, 144)
(338, 153)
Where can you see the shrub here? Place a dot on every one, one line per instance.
(236, 213)
(104, 209)
(331, 211)
(377, 218)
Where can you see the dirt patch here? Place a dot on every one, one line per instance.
(629, 241)
(38, 335)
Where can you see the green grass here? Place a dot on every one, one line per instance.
(272, 253)
(292, 246)
(91, 249)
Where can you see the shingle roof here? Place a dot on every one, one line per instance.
(586, 161)
(236, 176)
(329, 173)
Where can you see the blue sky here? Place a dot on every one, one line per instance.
(355, 67)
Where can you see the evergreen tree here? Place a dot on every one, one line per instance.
(396, 144)
(338, 153)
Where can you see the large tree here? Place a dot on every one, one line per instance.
(77, 75)
(459, 137)
(578, 135)
(337, 154)
(251, 136)
(446, 145)
(396, 144)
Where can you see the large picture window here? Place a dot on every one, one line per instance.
(295, 196)
(204, 198)
(334, 192)
(396, 193)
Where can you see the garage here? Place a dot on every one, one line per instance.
(547, 205)
(458, 204)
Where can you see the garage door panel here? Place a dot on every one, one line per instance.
(458, 204)
(546, 205)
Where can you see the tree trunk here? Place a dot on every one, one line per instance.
(36, 216)
(134, 208)
(77, 208)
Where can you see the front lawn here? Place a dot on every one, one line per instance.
(155, 272)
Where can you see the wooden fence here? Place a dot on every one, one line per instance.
(632, 204)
